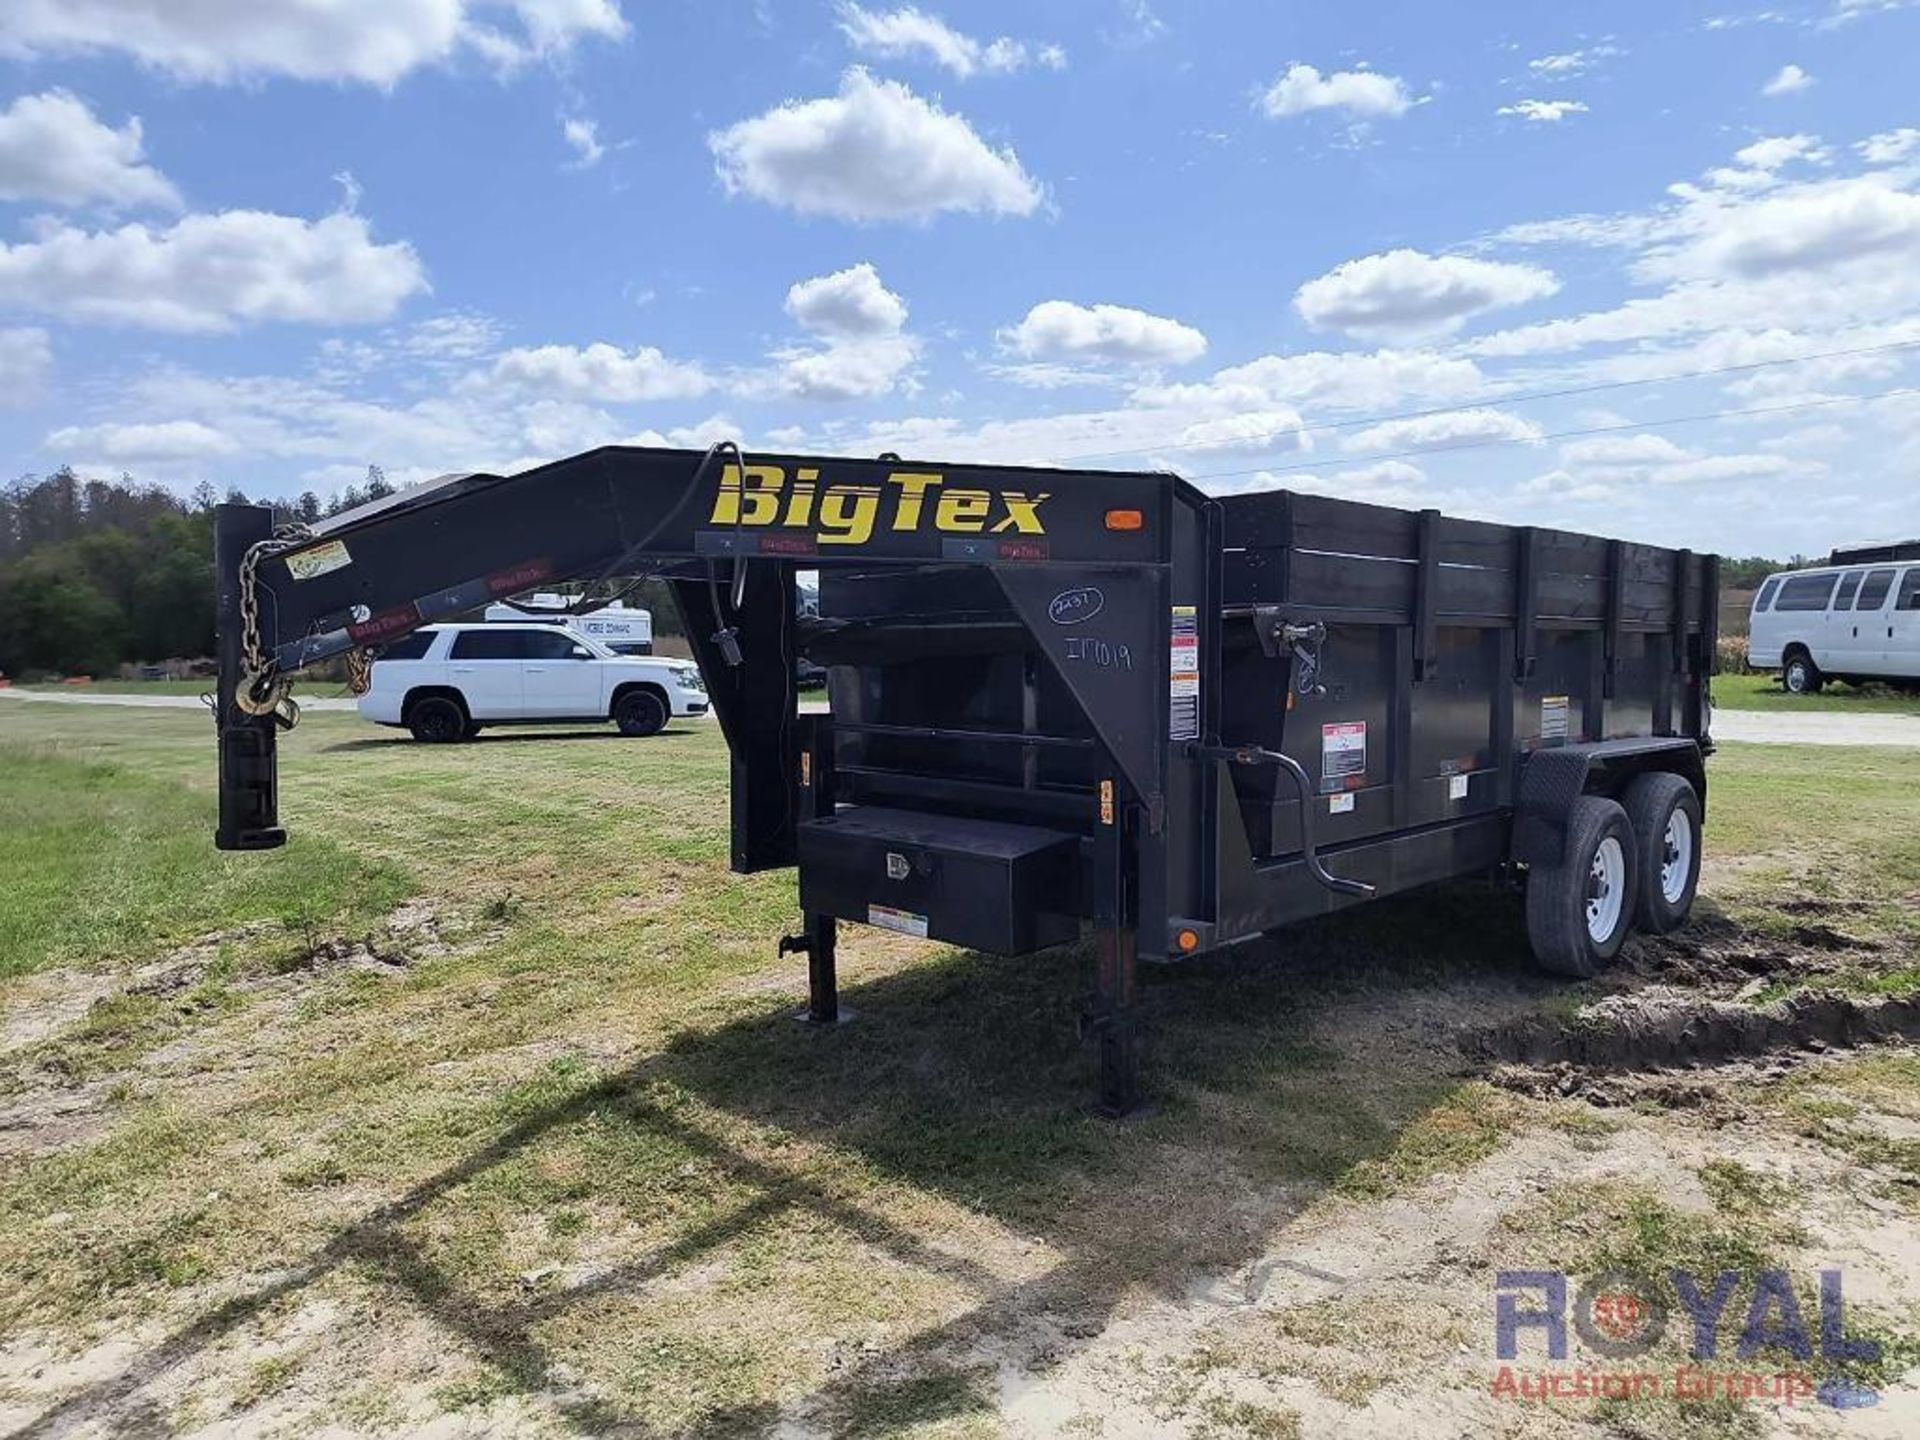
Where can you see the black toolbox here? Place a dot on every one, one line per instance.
(986, 884)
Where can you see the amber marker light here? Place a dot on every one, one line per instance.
(1126, 520)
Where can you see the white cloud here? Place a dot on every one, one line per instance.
(1776, 151)
(1366, 94)
(458, 335)
(908, 31)
(1807, 228)
(212, 272)
(1252, 432)
(53, 149)
(1454, 428)
(862, 323)
(1790, 81)
(854, 369)
(1405, 294)
(847, 304)
(168, 441)
(1348, 381)
(1573, 62)
(373, 41)
(26, 360)
(875, 151)
(1614, 468)
(1806, 257)
(1047, 375)
(584, 136)
(1058, 330)
(599, 372)
(1543, 111)
(1889, 147)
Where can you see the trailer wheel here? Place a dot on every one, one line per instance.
(1800, 675)
(1580, 911)
(640, 713)
(437, 720)
(1665, 814)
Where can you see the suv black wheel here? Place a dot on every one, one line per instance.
(640, 713)
(437, 720)
(1580, 911)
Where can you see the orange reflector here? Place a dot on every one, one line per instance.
(1187, 941)
(1126, 520)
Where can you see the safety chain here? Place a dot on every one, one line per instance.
(261, 690)
(359, 671)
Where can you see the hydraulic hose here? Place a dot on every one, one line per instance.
(1303, 783)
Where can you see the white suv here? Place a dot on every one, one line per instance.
(446, 682)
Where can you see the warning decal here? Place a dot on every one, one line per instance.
(1343, 755)
(1553, 716)
(306, 564)
(904, 922)
(1185, 667)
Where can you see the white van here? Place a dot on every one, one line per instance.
(1838, 622)
(625, 630)
(447, 682)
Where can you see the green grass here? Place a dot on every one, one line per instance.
(591, 1149)
(102, 861)
(1828, 827)
(1763, 692)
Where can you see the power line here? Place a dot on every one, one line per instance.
(1571, 434)
(1528, 397)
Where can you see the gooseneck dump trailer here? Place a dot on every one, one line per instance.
(1062, 698)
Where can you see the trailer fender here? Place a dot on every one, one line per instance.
(1551, 780)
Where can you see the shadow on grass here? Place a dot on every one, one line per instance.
(964, 1076)
(512, 737)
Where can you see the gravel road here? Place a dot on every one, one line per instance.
(1816, 727)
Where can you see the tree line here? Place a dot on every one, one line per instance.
(97, 574)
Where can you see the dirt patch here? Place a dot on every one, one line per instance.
(1651, 1032)
(1716, 953)
(44, 1004)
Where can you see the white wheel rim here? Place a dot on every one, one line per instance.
(1676, 863)
(1606, 889)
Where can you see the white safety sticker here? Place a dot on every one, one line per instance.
(321, 559)
(1341, 804)
(903, 921)
(1554, 710)
(1184, 656)
(1343, 754)
(1456, 787)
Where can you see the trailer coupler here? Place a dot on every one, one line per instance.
(1258, 755)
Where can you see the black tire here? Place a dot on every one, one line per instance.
(640, 713)
(1558, 896)
(1665, 815)
(437, 720)
(1800, 676)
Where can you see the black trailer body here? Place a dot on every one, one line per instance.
(1057, 697)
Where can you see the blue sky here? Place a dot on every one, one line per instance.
(1343, 248)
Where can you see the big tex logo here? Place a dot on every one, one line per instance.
(848, 513)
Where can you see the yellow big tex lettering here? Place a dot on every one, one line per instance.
(847, 513)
